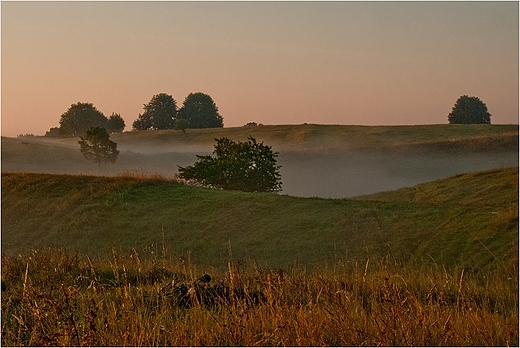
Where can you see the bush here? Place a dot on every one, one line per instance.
(243, 166)
(53, 132)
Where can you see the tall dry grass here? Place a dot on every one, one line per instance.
(52, 298)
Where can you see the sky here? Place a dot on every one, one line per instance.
(351, 63)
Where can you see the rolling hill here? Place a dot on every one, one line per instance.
(328, 161)
(468, 220)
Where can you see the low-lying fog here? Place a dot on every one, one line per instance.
(354, 174)
(337, 175)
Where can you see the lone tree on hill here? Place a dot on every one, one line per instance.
(95, 145)
(244, 166)
(469, 110)
(200, 111)
(159, 113)
(79, 117)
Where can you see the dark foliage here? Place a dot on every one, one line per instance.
(200, 111)
(243, 166)
(252, 124)
(115, 123)
(80, 117)
(202, 293)
(53, 132)
(182, 124)
(95, 145)
(159, 113)
(469, 110)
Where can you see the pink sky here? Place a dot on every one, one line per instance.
(365, 63)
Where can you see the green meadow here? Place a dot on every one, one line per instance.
(469, 220)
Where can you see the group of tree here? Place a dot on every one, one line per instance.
(245, 166)
(198, 111)
(94, 128)
(81, 116)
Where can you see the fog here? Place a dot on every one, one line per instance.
(358, 173)
(339, 174)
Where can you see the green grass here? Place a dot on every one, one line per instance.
(469, 220)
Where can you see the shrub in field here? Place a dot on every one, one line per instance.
(243, 166)
(201, 293)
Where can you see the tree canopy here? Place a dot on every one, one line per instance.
(244, 166)
(159, 113)
(200, 111)
(80, 117)
(95, 145)
(469, 110)
(115, 123)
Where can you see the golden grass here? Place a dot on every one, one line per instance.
(149, 175)
(54, 298)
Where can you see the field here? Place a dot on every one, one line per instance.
(89, 259)
(53, 298)
(448, 220)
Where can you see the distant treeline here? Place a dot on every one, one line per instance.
(198, 111)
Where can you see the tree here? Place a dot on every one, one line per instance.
(115, 123)
(53, 132)
(244, 166)
(80, 117)
(252, 124)
(159, 113)
(142, 123)
(200, 111)
(469, 110)
(182, 124)
(95, 145)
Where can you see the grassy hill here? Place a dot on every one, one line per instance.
(469, 220)
(329, 161)
(315, 137)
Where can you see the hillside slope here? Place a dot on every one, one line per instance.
(329, 161)
(316, 137)
(320, 138)
(469, 220)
